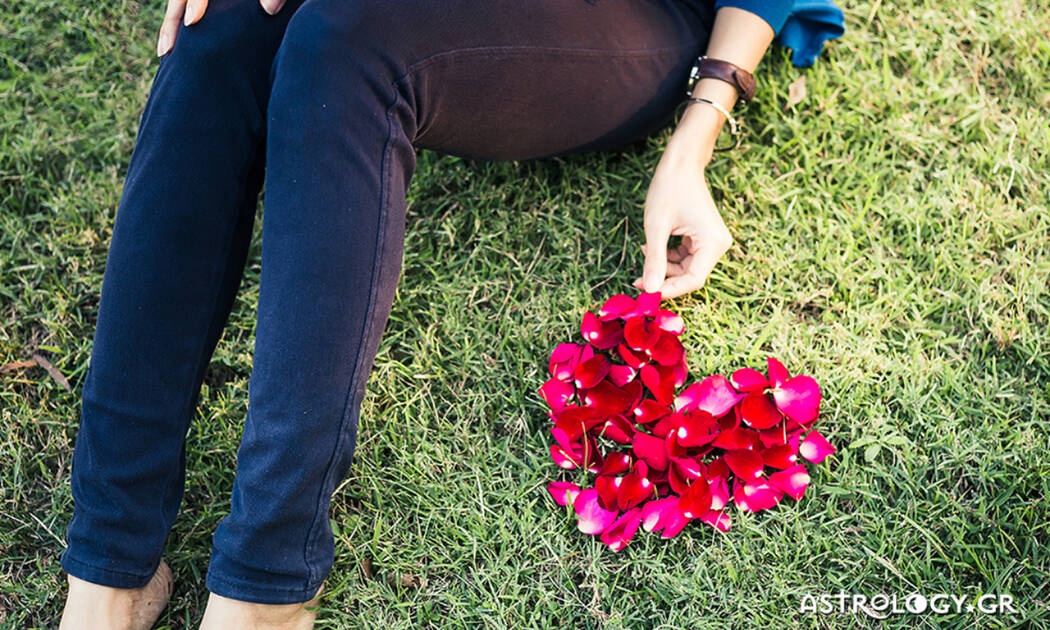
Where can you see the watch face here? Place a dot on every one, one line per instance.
(694, 76)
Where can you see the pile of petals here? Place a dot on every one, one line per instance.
(664, 453)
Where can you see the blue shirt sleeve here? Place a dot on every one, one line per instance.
(802, 26)
(775, 13)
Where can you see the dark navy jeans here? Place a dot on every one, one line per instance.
(326, 102)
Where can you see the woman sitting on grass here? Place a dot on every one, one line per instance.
(325, 101)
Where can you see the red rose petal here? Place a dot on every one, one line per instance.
(696, 500)
(746, 465)
(608, 398)
(616, 428)
(632, 358)
(667, 350)
(736, 439)
(748, 380)
(635, 487)
(640, 335)
(780, 456)
(759, 411)
(608, 488)
(615, 464)
(697, 428)
(649, 411)
(622, 530)
(591, 372)
(620, 375)
(660, 382)
(652, 450)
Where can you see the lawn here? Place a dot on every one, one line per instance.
(892, 240)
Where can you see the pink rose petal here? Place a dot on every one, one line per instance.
(755, 496)
(557, 393)
(815, 448)
(563, 492)
(714, 395)
(563, 360)
(799, 399)
(616, 306)
(593, 519)
(792, 481)
(717, 519)
(719, 492)
(654, 512)
(670, 321)
(648, 304)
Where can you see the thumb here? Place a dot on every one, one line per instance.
(655, 270)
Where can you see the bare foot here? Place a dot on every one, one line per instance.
(230, 614)
(90, 606)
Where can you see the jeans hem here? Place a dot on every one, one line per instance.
(104, 577)
(260, 595)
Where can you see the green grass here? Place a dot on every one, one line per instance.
(893, 240)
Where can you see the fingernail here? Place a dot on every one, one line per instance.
(163, 45)
(271, 6)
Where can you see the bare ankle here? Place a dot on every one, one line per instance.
(89, 606)
(223, 613)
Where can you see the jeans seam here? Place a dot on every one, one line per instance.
(557, 52)
(368, 324)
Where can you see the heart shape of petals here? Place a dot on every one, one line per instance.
(660, 452)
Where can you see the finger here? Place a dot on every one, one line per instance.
(170, 26)
(680, 285)
(700, 267)
(194, 11)
(272, 6)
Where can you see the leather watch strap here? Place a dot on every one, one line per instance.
(742, 80)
